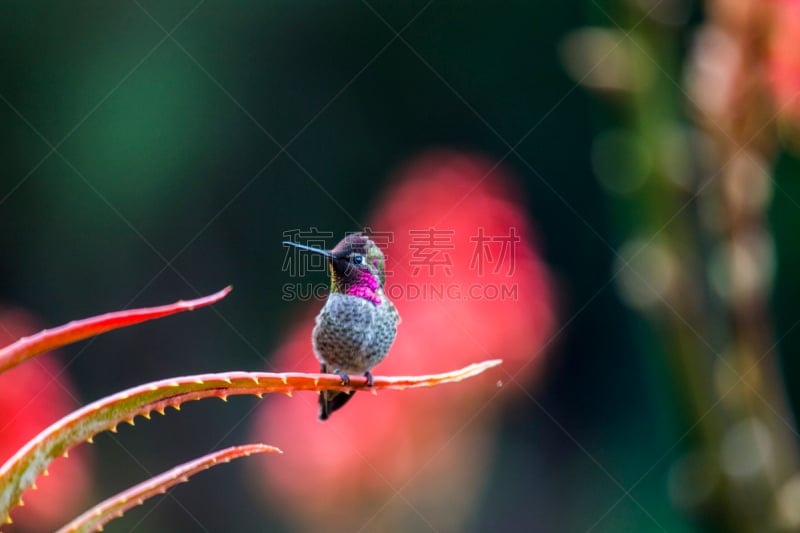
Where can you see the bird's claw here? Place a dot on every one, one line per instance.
(345, 377)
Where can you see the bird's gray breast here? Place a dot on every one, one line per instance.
(353, 334)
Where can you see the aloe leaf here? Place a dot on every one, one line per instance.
(114, 507)
(48, 339)
(21, 470)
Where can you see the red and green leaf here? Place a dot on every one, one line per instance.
(114, 507)
(22, 469)
(77, 330)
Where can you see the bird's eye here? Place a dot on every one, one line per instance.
(358, 259)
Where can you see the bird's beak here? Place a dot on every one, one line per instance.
(320, 251)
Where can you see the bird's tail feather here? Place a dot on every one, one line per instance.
(331, 401)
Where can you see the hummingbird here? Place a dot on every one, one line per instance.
(358, 323)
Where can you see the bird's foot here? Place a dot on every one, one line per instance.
(370, 380)
(345, 377)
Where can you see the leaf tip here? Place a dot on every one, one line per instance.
(271, 449)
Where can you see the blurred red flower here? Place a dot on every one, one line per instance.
(463, 271)
(784, 57)
(33, 396)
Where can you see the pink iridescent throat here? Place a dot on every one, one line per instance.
(366, 286)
